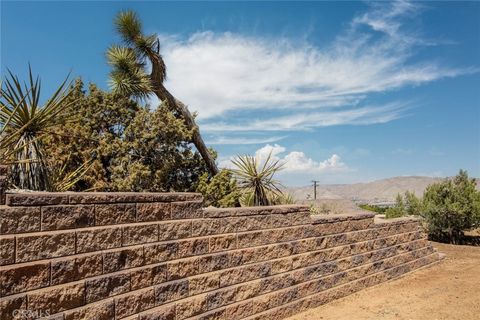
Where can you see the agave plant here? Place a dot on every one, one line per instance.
(256, 179)
(130, 76)
(24, 121)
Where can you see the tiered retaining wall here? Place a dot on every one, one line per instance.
(148, 256)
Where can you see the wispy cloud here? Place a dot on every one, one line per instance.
(242, 140)
(228, 78)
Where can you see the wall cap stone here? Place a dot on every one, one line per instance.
(328, 218)
(212, 212)
(32, 198)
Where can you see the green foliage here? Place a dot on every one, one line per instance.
(129, 75)
(128, 147)
(448, 208)
(373, 208)
(451, 207)
(256, 180)
(220, 191)
(25, 123)
(405, 205)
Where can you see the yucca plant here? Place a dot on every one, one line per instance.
(129, 75)
(24, 121)
(256, 179)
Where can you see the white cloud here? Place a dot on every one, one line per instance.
(222, 140)
(296, 161)
(227, 76)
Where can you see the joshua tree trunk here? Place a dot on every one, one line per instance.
(158, 76)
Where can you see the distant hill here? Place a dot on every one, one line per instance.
(380, 191)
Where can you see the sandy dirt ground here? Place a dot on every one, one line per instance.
(448, 290)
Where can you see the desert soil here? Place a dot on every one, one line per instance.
(448, 290)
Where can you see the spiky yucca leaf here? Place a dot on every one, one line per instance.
(257, 179)
(128, 26)
(25, 121)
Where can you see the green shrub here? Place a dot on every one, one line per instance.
(406, 205)
(220, 191)
(451, 207)
(448, 208)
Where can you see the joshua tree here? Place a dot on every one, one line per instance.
(129, 75)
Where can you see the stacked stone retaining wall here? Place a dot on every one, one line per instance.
(146, 256)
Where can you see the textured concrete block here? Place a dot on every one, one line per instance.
(222, 243)
(9, 305)
(106, 286)
(24, 277)
(120, 259)
(166, 312)
(19, 219)
(136, 302)
(58, 298)
(193, 247)
(187, 210)
(104, 310)
(67, 217)
(148, 276)
(159, 252)
(7, 250)
(75, 268)
(44, 246)
(153, 211)
(139, 234)
(96, 239)
(174, 230)
(171, 291)
(108, 214)
(203, 283)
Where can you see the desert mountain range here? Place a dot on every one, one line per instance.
(375, 192)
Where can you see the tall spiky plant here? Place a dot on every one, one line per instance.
(256, 179)
(129, 75)
(24, 121)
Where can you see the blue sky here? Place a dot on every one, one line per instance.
(340, 91)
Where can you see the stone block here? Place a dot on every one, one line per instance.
(138, 234)
(75, 268)
(156, 211)
(67, 217)
(203, 283)
(57, 299)
(107, 286)
(222, 243)
(108, 214)
(19, 219)
(133, 303)
(7, 250)
(171, 291)
(24, 277)
(123, 259)
(187, 210)
(174, 230)
(104, 310)
(99, 238)
(148, 276)
(10, 305)
(159, 252)
(192, 247)
(44, 246)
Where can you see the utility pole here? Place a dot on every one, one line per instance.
(315, 189)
